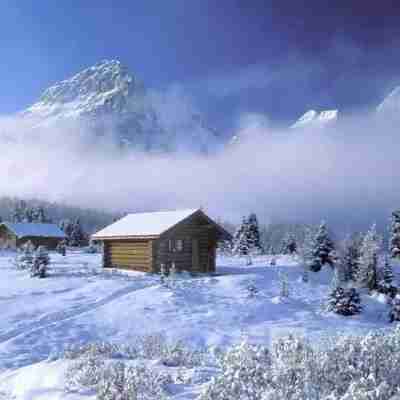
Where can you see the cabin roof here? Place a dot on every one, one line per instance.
(27, 229)
(148, 224)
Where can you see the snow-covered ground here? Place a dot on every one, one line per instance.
(81, 303)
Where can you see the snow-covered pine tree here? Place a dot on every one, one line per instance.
(344, 302)
(253, 234)
(240, 239)
(394, 235)
(351, 255)
(78, 237)
(394, 314)
(24, 259)
(41, 261)
(322, 249)
(67, 227)
(368, 260)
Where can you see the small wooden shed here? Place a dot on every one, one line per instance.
(186, 239)
(13, 235)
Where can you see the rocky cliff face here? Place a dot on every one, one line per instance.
(109, 99)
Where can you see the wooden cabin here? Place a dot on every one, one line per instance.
(14, 235)
(146, 241)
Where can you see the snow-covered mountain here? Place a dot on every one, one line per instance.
(108, 98)
(314, 118)
(391, 104)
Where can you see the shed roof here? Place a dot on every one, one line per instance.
(26, 229)
(146, 224)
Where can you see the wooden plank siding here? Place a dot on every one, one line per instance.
(196, 228)
(128, 254)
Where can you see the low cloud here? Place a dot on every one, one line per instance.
(347, 174)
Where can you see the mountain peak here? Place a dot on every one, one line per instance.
(315, 118)
(391, 104)
(103, 87)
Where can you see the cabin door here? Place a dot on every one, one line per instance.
(195, 254)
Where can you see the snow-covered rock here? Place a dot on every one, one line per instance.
(107, 98)
(316, 119)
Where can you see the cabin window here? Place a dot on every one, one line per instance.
(179, 245)
(175, 246)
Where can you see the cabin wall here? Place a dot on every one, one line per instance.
(199, 245)
(128, 254)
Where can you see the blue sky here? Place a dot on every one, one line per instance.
(271, 57)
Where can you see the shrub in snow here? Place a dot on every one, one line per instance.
(322, 250)
(120, 382)
(368, 260)
(395, 311)
(251, 290)
(344, 302)
(151, 347)
(41, 261)
(394, 238)
(343, 368)
(84, 373)
(244, 374)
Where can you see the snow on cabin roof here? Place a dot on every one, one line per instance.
(144, 224)
(25, 229)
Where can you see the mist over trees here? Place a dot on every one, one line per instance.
(31, 210)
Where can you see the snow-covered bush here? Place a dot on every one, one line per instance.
(150, 347)
(344, 302)
(120, 382)
(115, 380)
(84, 373)
(244, 374)
(41, 261)
(342, 368)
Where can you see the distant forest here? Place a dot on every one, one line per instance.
(90, 219)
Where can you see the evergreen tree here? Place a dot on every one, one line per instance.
(394, 239)
(344, 302)
(41, 261)
(351, 255)
(24, 258)
(322, 249)
(368, 260)
(387, 272)
(246, 240)
(254, 234)
(78, 237)
(394, 314)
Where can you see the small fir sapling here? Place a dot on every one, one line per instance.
(41, 261)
